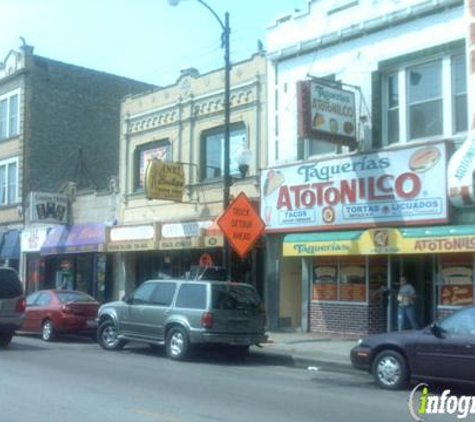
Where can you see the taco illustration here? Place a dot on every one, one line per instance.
(273, 181)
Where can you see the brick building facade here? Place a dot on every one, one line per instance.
(59, 127)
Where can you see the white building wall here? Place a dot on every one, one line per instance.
(351, 60)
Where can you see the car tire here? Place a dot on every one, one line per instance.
(390, 370)
(47, 330)
(108, 336)
(5, 339)
(177, 344)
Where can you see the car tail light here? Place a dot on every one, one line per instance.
(66, 309)
(207, 320)
(20, 305)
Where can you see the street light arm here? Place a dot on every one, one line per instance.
(223, 26)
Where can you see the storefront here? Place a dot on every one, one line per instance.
(341, 231)
(75, 258)
(151, 251)
(351, 271)
(32, 238)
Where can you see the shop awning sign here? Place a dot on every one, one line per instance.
(131, 238)
(241, 224)
(382, 241)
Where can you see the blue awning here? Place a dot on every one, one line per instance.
(11, 245)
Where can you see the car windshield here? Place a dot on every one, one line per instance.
(66, 297)
(462, 322)
(235, 296)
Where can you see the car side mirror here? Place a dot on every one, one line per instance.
(437, 330)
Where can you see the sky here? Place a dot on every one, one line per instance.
(146, 40)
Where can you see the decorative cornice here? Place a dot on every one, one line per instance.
(202, 106)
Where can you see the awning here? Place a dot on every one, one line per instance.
(11, 245)
(78, 238)
(382, 241)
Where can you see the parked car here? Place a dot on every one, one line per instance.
(12, 304)
(55, 312)
(443, 351)
(181, 314)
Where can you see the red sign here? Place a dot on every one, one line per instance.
(241, 224)
(206, 260)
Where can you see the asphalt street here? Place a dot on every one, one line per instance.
(74, 380)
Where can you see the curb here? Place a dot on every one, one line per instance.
(303, 362)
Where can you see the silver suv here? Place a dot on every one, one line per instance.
(12, 304)
(182, 314)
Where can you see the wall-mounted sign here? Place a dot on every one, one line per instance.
(187, 229)
(189, 235)
(48, 208)
(33, 237)
(326, 112)
(131, 238)
(164, 180)
(388, 187)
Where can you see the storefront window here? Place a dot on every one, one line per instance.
(35, 274)
(378, 275)
(456, 280)
(342, 278)
(325, 286)
(84, 273)
(353, 279)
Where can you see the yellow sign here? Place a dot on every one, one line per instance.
(379, 242)
(164, 180)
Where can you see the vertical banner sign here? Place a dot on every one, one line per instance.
(460, 180)
(470, 54)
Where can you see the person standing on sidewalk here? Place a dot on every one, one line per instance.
(406, 310)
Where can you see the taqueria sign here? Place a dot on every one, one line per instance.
(379, 241)
(404, 186)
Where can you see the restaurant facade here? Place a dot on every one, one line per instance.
(370, 174)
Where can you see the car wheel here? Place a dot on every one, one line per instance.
(5, 339)
(108, 336)
(390, 370)
(177, 344)
(47, 330)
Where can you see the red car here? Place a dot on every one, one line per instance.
(53, 312)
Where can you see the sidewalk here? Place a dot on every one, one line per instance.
(308, 349)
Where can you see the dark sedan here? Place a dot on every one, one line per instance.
(53, 312)
(443, 351)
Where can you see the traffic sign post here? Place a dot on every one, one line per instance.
(241, 224)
